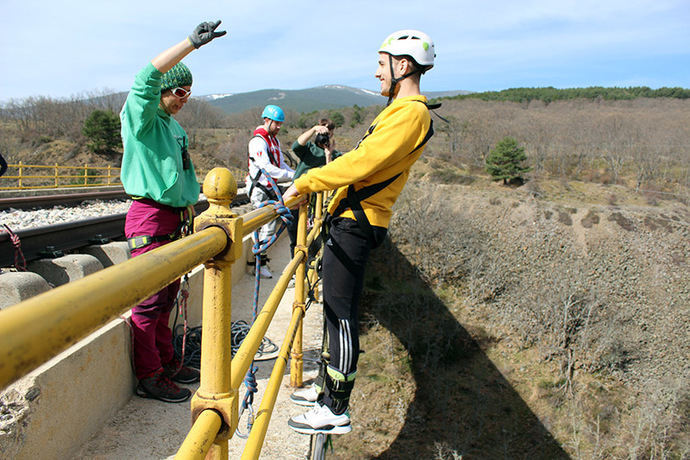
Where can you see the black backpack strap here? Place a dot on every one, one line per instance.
(354, 197)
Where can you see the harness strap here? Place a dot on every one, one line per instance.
(141, 241)
(255, 179)
(255, 183)
(271, 158)
(355, 197)
(185, 228)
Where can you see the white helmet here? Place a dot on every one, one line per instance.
(414, 43)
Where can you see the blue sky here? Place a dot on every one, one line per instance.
(71, 47)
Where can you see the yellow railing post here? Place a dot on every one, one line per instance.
(215, 390)
(297, 363)
(56, 176)
(108, 183)
(318, 217)
(86, 168)
(20, 174)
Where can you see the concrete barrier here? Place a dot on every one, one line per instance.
(110, 253)
(62, 270)
(59, 405)
(16, 287)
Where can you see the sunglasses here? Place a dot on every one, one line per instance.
(180, 92)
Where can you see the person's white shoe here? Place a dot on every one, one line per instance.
(264, 273)
(321, 420)
(305, 396)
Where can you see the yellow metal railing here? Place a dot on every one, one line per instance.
(22, 176)
(39, 328)
(29, 176)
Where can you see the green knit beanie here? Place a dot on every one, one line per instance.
(179, 75)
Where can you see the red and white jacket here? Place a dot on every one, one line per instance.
(264, 152)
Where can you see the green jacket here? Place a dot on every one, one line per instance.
(153, 144)
(311, 156)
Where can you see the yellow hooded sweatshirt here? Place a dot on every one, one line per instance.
(387, 149)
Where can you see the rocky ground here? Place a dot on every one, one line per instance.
(21, 219)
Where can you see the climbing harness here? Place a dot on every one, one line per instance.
(184, 229)
(274, 161)
(18, 254)
(258, 249)
(354, 198)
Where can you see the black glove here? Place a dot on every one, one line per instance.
(204, 33)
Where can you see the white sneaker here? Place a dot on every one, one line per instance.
(305, 396)
(264, 273)
(321, 420)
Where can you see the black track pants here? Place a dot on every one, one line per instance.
(344, 259)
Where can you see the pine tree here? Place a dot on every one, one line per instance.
(505, 161)
(102, 129)
(337, 118)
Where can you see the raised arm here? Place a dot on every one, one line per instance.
(202, 34)
(305, 136)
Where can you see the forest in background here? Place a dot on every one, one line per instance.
(633, 136)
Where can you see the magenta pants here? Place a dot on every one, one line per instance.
(152, 335)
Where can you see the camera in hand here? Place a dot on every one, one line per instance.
(323, 140)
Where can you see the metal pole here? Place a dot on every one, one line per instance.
(215, 390)
(297, 363)
(198, 443)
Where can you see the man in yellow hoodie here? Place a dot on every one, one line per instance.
(368, 180)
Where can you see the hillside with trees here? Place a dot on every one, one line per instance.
(545, 317)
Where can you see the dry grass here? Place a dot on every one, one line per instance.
(493, 330)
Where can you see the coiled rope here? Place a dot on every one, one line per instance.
(260, 247)
(18, 254)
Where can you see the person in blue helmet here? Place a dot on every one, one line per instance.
(264, 152)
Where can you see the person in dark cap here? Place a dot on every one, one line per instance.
(158, 174)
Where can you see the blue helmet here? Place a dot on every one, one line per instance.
(273, 112)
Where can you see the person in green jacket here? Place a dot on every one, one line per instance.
(157, 172)
(317, 153)
(312, 155)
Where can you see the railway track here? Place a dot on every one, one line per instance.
(45, 201)
(54, 240)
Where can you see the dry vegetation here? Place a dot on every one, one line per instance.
(642, 143)
(509, 324)
(546, 321)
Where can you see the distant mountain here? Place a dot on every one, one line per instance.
(436, 94)
(305, 100)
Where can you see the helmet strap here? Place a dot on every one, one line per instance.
(395, 81)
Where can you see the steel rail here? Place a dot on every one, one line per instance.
(44, 201)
